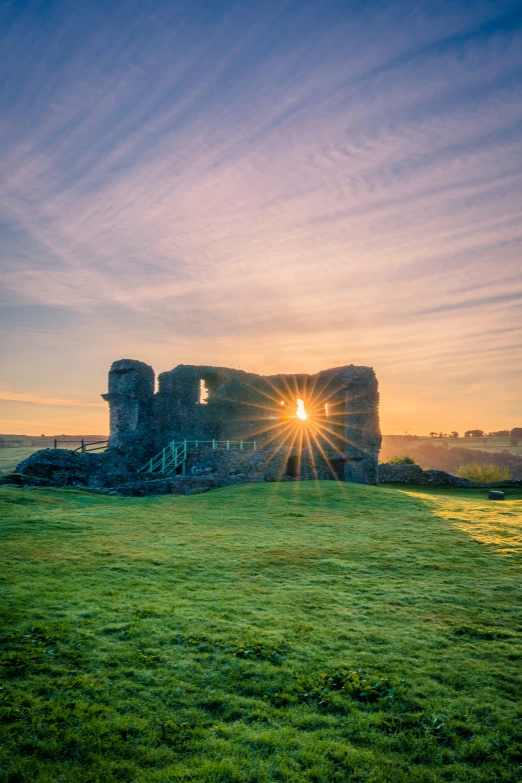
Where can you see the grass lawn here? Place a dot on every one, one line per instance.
(286, 632)
(11, 457)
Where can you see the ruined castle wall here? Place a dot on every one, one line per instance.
(341, 438)
(362, 430)
(262, 464)
(228, 413)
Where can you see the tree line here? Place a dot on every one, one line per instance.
(514, 434)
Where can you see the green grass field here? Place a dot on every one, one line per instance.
(276, 632)
(11, 457)
(484, 444)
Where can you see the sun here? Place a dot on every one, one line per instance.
(301, 413)
(301, 422)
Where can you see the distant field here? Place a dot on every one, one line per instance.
(487, 444)
(482, 444)
(10, 457)
(294, 632)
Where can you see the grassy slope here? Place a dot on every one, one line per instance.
(190, 638)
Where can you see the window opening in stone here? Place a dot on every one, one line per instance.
(301, 413)
(203, 392)
(292, 467)
(326, 410)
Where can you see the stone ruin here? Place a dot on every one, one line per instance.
(235, 426)
(339, 438)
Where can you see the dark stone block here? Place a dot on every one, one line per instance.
(61, 467)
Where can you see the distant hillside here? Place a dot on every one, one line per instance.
(431, 454)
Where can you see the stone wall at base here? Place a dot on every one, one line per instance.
(414, 474)
(61, 467)
(205, 470)
(402, 474)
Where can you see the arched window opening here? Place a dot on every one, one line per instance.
(203, 392)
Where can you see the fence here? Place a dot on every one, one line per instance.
(84, 446)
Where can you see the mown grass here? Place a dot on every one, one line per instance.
(286, 632)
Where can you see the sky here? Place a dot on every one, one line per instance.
(273, 186)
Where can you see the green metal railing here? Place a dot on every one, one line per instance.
(174, 455)
(168, 460)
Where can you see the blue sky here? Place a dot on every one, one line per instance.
(274, 186)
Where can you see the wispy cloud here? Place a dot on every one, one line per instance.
(279, 187)
(32, 399)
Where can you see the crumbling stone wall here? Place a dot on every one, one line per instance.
(340, 439)
(401, 474)
(414, 474)
(101, 472)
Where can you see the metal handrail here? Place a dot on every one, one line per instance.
(168, 460)
(215, 444)
(175, 454)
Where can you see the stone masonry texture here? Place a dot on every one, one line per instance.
(340, 439)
